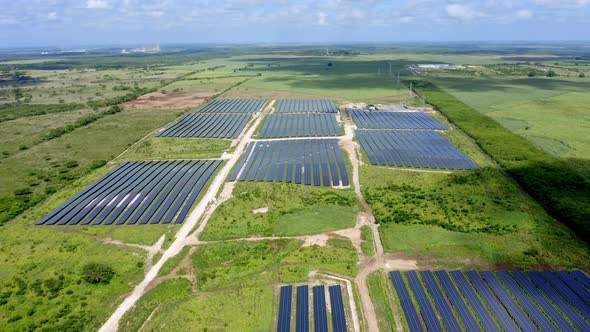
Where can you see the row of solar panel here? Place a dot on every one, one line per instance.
(233, 105)
(394, 120)
(208, 125)
(293, 161)
(412, 148)
(320, 317)
(300, 125)
(494, 301)
(137, 192)
(305, 106)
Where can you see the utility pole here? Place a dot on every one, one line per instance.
(411, 84)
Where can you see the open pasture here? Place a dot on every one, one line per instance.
(293, 161)
(394, 120)
(209, 125)
(305, 106)
(300, 125)
(493, 301)
(234, 105)
(410, 148)
(165, 189)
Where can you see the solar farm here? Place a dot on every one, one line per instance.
(305, 106)
(234, 105)
(394, 120)
(409, 148)
(137, 193)
(301, 318)
(493, 301)
(300, 125)
(207, 125)
(308, 161)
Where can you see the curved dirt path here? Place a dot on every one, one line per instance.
(189, 224)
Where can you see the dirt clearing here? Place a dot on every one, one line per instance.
(156, 100)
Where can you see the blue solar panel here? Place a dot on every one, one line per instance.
(298, 161)
(406, 302)
(302, 323)
(481, 312)
(412, 148)
(136, 189)
(576, 299)
(394, 120)
(457, 302)
(511, 306)
(233, 105)
(300, 125)
(559, 301)
(428, 314)
(305, 106)
(442, 306)
(338, 315)
(207, 125)
(582, 278)
(529, 305)
(284, 321)
(320, 316)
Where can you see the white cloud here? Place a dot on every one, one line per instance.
(322, 18)
(97, 4)
(406, 19)
(52, 15)
(524, 14)
(562, 3)
(462, 12)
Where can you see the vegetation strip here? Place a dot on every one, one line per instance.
(564, 193)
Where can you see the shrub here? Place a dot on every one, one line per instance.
(97, 273)
(97, 164)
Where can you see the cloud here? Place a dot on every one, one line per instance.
(462, 12)
(322, 18)
(97, 4)
(524, 14)
(562, 3)
(52, 15)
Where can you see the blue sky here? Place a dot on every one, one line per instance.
(90, 22)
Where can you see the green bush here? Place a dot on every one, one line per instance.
(97, 273)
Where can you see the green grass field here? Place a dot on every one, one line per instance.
(160, 148)
(292, 210)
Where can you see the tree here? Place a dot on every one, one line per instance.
(329, 64)
(551, 73)
(582, 75)
(532, 74)
(97, 273)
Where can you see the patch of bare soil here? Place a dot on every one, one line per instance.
(260, 210)
(156, 100)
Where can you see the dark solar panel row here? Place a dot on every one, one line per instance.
(207, 125)
(300, 125)
(394, 120)
(337, 306)
(320, 315)
(305, 106)
(233, 105)
(284, 322)
(412, 148)
(509, 301)
(145, 191)
(293, 161)
(302, 322)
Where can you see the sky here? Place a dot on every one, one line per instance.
(62, 23)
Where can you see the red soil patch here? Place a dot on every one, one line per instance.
(156, 100)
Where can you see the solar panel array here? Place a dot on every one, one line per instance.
(305, 106)
(137, 192)
(300, 125)
(308, 161)
(233, 105)
(412, 148)
(394, 120)
(494, 301)
(320, 316)
(207, 125)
